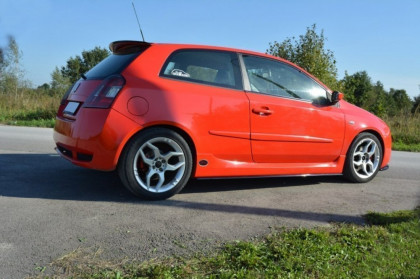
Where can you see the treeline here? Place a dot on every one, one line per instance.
(309, 52)
(21, 103)
(12, 74)
(360, 91)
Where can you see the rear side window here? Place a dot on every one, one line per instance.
(219, 68)
(113, 64)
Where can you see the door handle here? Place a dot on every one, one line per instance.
(262, 111)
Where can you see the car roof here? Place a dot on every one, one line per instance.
(124, 46)
(119, 46)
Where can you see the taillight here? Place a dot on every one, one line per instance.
(105, 93)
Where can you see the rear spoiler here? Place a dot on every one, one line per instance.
(124, 47)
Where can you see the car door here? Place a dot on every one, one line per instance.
(207, 97)
(291, 119)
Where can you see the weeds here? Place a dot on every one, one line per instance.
(405, 130)
(385, 248)
(28, 109)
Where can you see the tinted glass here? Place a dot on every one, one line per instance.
(280, 79)
(113, 64)
(203, 66)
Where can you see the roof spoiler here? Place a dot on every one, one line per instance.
(122, 47)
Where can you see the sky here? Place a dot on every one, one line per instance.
(381, 37)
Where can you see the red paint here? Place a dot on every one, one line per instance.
(239, 133)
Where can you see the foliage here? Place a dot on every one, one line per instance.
(11, 72)
(81, 64)
(386, 248)
(309, 53)
(2, 60)
(416, 105)
(33, 108)
(357, 87)
(59, 83)
(402, 102)
(359, 90)
(401, 146)
(379, 101)
(405, 130)
(20, 104)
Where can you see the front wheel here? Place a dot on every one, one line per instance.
(156, 164)
(364, 158)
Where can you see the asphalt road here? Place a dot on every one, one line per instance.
(49, 208)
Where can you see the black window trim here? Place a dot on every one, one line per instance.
(240, 86)
(247, 84)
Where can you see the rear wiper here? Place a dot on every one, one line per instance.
(83, 76)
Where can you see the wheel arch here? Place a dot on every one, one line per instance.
(365, 174)
(370, 131)
(176, 129)
(377, 135)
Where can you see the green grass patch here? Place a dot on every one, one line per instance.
(28, 109)
(387, 247)
(30, 118)
(400, 146)
(405, 130)
(43, 123)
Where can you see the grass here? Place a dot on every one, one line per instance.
(386, 247)
(28, 109)
(46, 123)
(405, 130)
(401, 146)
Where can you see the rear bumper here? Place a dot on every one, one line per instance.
(95, 138)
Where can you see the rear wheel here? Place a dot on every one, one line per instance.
(363, 159)
(156, 164)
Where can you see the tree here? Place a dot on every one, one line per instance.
(309, 53)
(416, 105)
(11, 73)
(59, 83)
(81, 64)
(357, 88)
(402, 101)
(44, 87)
(2, 61)
(378, 103)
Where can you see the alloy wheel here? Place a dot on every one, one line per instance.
(159, 165)
(366, 158)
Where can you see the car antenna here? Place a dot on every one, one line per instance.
(138, 22)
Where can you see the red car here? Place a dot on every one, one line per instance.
(163, 113)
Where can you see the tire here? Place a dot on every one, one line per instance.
(156, 164)
(363, 159)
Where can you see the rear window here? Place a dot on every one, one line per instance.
(113, 64)
(219, 68)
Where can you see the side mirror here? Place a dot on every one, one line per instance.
(336, 97)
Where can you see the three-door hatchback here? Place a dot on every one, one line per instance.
(163, 113)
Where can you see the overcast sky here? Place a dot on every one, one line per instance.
(379, 36)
